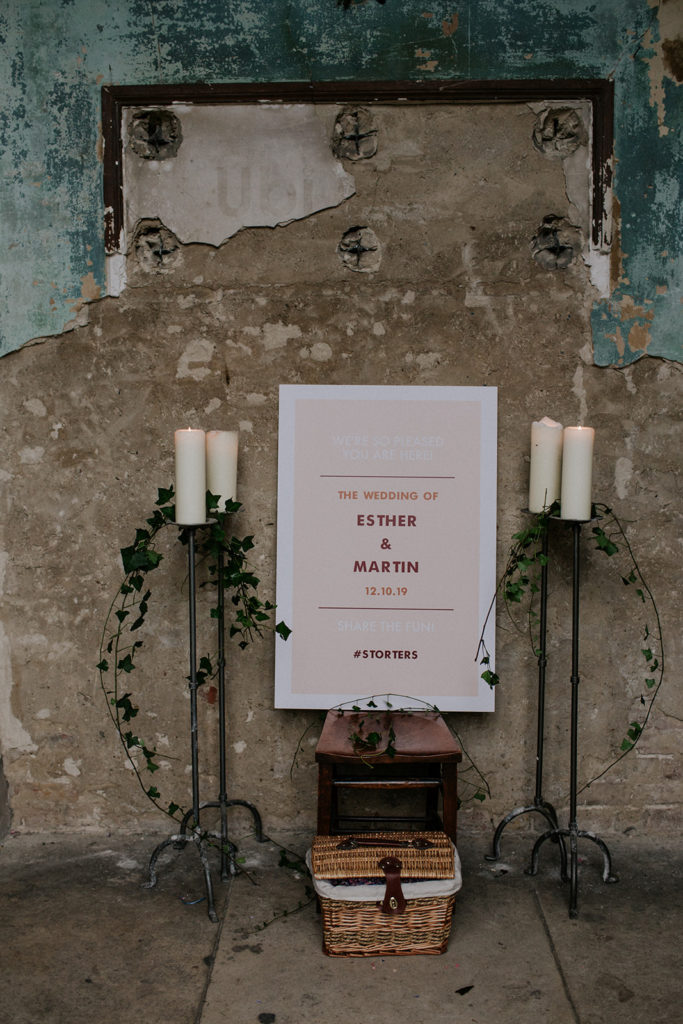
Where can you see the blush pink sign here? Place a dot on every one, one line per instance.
(386, 544)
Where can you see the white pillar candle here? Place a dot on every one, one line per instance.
(190, 477)
(546, 463)
(577, 473)
(221, 465)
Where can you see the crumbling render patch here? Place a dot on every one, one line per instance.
(664, 47)
(242, 165)
(672, 50)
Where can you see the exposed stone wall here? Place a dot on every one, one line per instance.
(204, 340)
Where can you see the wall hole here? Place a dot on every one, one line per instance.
(360, 250)
(354, 136)
(556, 243)
(156, 248)
(559, 131)
(155, 134)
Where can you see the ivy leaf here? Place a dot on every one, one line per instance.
(283, 630)
(142, 558)
(172, 808)
(103, 666)
(125, 664)
(129, 709)
(164, 494)
(153, 793)
(603, 542)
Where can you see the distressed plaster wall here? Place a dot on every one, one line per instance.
(205, 339)
(60, 53)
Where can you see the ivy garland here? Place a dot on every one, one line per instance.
(520, 579)
(120, 641)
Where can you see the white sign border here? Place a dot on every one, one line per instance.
(487, 398)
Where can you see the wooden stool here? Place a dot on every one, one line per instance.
(426, 758)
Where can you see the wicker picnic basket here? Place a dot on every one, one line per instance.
(385, 893)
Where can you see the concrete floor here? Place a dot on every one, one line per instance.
(82, 941)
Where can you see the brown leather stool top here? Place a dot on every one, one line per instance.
(419, 735)
(420, 738)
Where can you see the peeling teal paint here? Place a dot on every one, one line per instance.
(60, 52)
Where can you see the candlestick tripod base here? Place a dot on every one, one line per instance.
(573, 834)
(227, 847)
(178, 841)
(202, 840)
(190, 831)
(549, 813)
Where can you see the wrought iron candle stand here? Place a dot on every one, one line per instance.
(190, 829)
(539, 805)
(573, 833)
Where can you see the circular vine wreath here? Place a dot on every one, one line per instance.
(120, 641)
(520, 579)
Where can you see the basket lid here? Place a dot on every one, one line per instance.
(422, 854)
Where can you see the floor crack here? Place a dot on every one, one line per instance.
(556, 957)
(222, 915)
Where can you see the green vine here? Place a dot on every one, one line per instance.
(520, 580)
(121, 642)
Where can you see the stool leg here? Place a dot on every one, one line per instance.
(324, 799)
(432, 808)
(449, 782)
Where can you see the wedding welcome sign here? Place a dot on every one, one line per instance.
(386, 544)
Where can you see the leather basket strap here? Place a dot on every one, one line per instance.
(394, 901)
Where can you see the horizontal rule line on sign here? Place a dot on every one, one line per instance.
(376, 608)
(377, 476)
